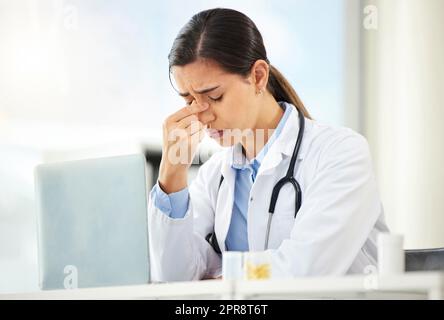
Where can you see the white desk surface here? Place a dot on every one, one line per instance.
(413, 285)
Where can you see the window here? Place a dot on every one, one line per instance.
(78, 76)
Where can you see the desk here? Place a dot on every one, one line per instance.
(413, 285)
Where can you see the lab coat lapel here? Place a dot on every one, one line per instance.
(282, 148)
(225, 200)
(283, 145)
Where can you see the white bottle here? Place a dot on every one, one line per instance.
(232, 265)
(391, 256)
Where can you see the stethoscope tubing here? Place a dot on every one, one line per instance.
(289, 178)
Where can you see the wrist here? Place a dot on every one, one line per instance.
(172, 181)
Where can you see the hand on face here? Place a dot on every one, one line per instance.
(182, 132)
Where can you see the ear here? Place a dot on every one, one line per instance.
(259, 74)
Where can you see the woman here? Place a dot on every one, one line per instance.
(233, 93)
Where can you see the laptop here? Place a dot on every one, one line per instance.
(92, 223)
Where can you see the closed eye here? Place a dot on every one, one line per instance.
(212, 99)
(216, 99)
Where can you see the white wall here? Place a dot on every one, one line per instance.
(403, 76)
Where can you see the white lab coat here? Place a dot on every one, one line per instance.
(334, 232)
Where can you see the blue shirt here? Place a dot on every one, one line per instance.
(175, 204)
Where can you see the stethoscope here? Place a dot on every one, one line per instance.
(289, 178)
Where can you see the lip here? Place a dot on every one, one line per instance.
(214, 133)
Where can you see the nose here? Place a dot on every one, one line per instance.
(206, 116)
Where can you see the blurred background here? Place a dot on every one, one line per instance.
(82, 79)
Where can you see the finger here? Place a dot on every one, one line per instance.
(191, 130)
(195, 127)
(191, 143)
(198, 135)
(185, 122)
(194, 108)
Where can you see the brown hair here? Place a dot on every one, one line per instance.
(232, 40)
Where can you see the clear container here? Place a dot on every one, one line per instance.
(257, 265)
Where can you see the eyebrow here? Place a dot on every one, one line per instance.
(186, 94)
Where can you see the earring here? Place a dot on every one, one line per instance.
(260, 91)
